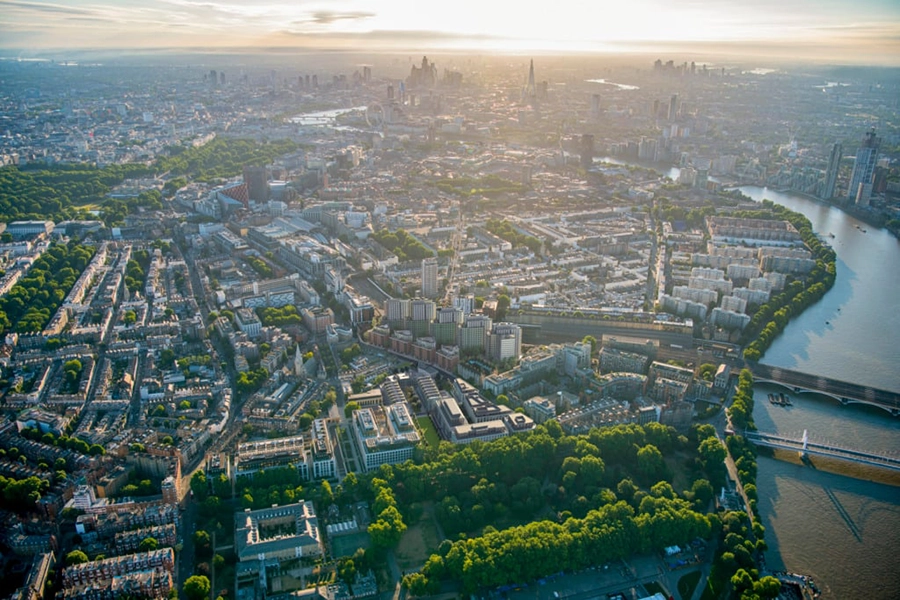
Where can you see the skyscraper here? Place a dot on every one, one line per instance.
(864, 169)
(429, 277)
(530, 90)
(673, 107)
(257, 181)
(587, 150)
(831, 173)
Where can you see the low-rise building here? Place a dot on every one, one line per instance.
(277, 534)
(385, 435)
(540, 409)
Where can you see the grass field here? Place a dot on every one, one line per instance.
(420, 541)
(346, 545)
(427, 427)
(687, 585)
(654, 588)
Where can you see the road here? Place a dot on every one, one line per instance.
(455, 243)
(184, 563)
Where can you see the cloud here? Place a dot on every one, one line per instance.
(44, 7)
(326, 17)
(392, 35)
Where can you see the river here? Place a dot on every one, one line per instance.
(670, 172)
(852, 334)
(844, 532)
(324, 117)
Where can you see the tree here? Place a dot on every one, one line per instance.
(203, 542)
(200, 485)
(388, 529)
(589, 339)
(148, 544)
(347, 571)
(349, 408)
(712, 453)
(166, 358)
(650, 463)
(707, 371)
(76, 557)
(767, 587)
(197, 587)
(97, 450)
(503, 303)
(326, 493)
(72, 370)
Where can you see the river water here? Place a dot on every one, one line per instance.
(844, 532)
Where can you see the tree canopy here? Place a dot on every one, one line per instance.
(33, 301)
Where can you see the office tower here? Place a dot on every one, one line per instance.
(306, 79)
(367, 74)
(831, 173)
(595, 105)
(864, 168)
(315, 81)
(422, 76)
(257, 182)
(530, 90)
(587, 150)
(390, 92)
(429, 277)
(673, 107)
(213, 77)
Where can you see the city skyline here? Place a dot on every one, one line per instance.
(867, 32)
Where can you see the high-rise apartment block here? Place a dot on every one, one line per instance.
(831, 173)
(864, 169)
(429, 277)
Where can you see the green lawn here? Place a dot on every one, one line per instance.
(427, 427)
(419, 542)
(687, 585)
(653, 588)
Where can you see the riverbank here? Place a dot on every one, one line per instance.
(836, 466)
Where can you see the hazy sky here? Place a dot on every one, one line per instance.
(846, 30)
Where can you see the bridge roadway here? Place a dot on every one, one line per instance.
(842, 391)
(828, 450)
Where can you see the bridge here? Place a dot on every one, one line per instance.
(842, 391)
(804, 446)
